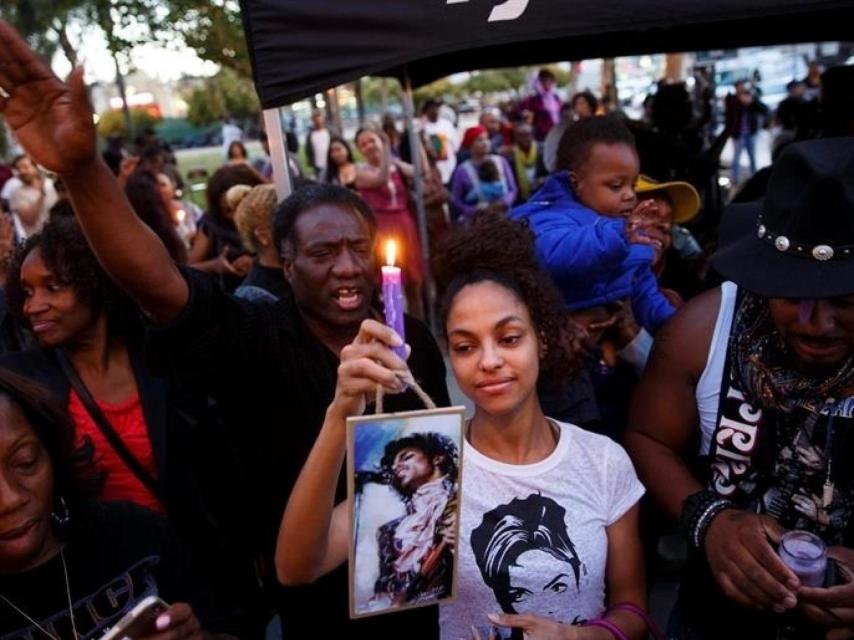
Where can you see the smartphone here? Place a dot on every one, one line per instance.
(139, 622)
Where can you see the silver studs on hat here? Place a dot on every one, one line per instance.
(822, 252)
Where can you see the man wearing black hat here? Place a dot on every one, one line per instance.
(764, 366)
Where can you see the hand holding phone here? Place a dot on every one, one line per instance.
(153, 619)
(140, 622)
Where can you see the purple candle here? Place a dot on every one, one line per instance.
(393, 295)
(805, 554)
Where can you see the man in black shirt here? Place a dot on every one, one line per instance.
(271, 368)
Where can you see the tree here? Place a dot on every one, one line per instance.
(124, 24)
(45, 24)
(213, 29)
(225, 94)
(114, 123)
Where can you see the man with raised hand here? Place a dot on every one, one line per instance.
(271, 368)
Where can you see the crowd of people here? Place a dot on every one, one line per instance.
(174, 384)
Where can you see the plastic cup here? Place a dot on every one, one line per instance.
(805, 554)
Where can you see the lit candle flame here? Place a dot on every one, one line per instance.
(390, 252)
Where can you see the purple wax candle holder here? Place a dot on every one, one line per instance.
(393, 303)
(806, 555)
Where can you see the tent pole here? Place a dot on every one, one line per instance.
(415, 151)
(278, 152)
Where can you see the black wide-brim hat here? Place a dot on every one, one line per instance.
(797, 241)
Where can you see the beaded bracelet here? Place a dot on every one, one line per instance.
(654, 631)
(698, 511)
(705, 521)
(618, 633)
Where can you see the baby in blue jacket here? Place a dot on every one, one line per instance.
(589, 227)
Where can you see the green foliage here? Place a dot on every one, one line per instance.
(224, 94)
(125, 23)
(442, 88)
(372, 91)
(204, 107)
(213, 29)
(479, 83)
(113, 122)
(41, 21)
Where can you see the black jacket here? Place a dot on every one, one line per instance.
(756, 112)
(202, 484)
(274, 380)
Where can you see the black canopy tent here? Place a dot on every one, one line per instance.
(301, 47)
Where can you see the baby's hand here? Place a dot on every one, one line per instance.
(640, 220)
(636, 232)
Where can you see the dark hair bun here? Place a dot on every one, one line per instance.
(496, 249)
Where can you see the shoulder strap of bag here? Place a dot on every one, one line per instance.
(106, 428)
(498, 161)
(471, 171)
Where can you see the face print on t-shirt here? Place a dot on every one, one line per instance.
(525, 556)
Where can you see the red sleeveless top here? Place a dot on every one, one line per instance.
(127, 419)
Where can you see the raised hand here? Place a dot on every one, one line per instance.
(51, 119)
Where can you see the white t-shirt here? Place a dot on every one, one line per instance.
(539, 531)
(320, 140)
(11, 185)
(26, 197)
(443, 135)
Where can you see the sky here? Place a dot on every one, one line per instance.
(164, 64)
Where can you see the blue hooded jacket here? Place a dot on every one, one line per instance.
(589, 256)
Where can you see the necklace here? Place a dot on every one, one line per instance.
(70, 608)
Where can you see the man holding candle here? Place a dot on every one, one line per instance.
(765, 365)
(270, 368)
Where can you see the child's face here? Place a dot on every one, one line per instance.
(606, 181)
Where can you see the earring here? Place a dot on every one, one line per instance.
(61, 516)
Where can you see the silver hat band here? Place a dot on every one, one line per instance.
(820, 252)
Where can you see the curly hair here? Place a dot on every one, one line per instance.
(496, 249)
(588, 97)
(255, 209)
(575, 144)
(431, 445)
(222, 180)
(66, 253)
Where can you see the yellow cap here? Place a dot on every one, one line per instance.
(685, 199)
